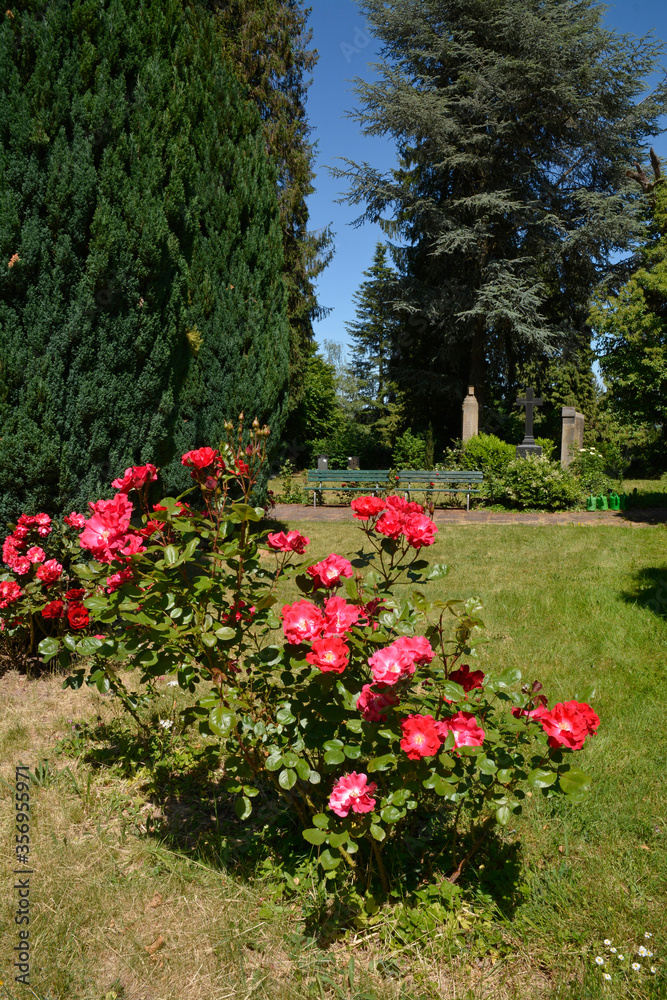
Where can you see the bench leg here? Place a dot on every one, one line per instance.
(467, 501)
(314, 498)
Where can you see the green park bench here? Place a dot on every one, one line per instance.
(346, 481)
(439, 482)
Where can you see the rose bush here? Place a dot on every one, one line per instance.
(352, 701)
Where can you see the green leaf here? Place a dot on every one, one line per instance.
(287, 778)
(302, 768)
(338, 839)
(314, 836)
(503, 815)
(437, 571)
(574, 782)
(273, 762)
(48, 648)
(221, 720)
(390, 814)
(314, 777)
(88, 645)
(334, 757)
(540, 778)
(328, 861)
(381, 763)
(243, 807)
(350, 588)
(284, 716)
(247, 513)
(69, 642)
(321, 820)
(225, 633)
(290, 759)
(377, 832)
(209, 640)
(171, 555)
(487, 766)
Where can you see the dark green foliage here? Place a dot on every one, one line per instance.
(147, 304)
(410, 452)
(267, 44)
(514, 124)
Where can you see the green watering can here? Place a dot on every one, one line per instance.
(614, 501)
(623, 501)
(591, 504)
(602, 502)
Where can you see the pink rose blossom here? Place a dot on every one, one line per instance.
(75, 520)
(117, 580)
(339, 616)
(328, 572)
(391, 664)
(290, 542)
(404, 506)
(35, 554)
(49, 572)
(390, 523)
(417, 647)
(302, 621)
(419, 530)
(464, 725)
(135, 477)
(105, 532)
(352, 791)
(366, 507)
(374, 703)
(9, 592)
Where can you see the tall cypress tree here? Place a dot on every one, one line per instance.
(145, 301)
(513, 123)
(267, 44)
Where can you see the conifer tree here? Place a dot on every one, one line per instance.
(267, 43)
(632, 324)
(142, 299)
(374, 335)
(513, 124)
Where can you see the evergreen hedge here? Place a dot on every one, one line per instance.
(145, 303)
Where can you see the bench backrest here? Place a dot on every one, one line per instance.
(437, 478)
(347, 475)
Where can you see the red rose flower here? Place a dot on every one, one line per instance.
(105, 532)
(464, 725)
(419, 530)
(420, 736)
(339, 616)
(330, 655)
(391, 665)
(302, 621)
(35, 554)
(9, 592)
(291, 542)
(74, 595)
(566, 726)
(466, 678)
(117, 580)
(352, 791)
(373, 704)
(390, 523)
(200, 459)
(328, 572)
(77, 616)
(135, 477)
(75, 520)
(417, 647)
(49, 572)
(365, 507)
(404, 506)
(54, 609)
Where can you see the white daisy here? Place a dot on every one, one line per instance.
(642, 951)
(647, 935)
(606, 942)
(613, 951)
(166, 723)
(172, 684)
(599, 960)
(605, 975)
(636, 966)
(621, 958)
(653, 969)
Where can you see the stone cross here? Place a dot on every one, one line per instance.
(528, 446)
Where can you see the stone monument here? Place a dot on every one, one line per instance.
(353, 461)
(323, 462)
(572, 436)
(528, 446)
(470, 415)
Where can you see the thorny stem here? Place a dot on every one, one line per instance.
(486, 826)
(381, 868)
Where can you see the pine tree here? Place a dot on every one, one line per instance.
(632, 324)
(144, 300)
(267, 43)
(513, 125)
(374, 335)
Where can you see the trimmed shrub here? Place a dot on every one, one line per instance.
(534, 483)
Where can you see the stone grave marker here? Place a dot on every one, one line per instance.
(470, 415)
(572, 437)
(323, 462)
(528, 446)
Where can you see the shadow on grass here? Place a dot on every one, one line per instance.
(649, 590)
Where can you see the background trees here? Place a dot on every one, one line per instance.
(144, 302)
(514, 125)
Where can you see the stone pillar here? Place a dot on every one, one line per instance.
(470, 415)
(353, 461)
(572, 436)
(323, 462)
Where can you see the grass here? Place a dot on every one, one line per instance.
(572, 606)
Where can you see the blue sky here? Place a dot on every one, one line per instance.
(346, 48)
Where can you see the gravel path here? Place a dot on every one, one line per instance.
(634, 518)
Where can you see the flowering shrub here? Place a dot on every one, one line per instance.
(591, 468)
(534, 483)
(353, 702)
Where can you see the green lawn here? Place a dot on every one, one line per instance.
(570, 606)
